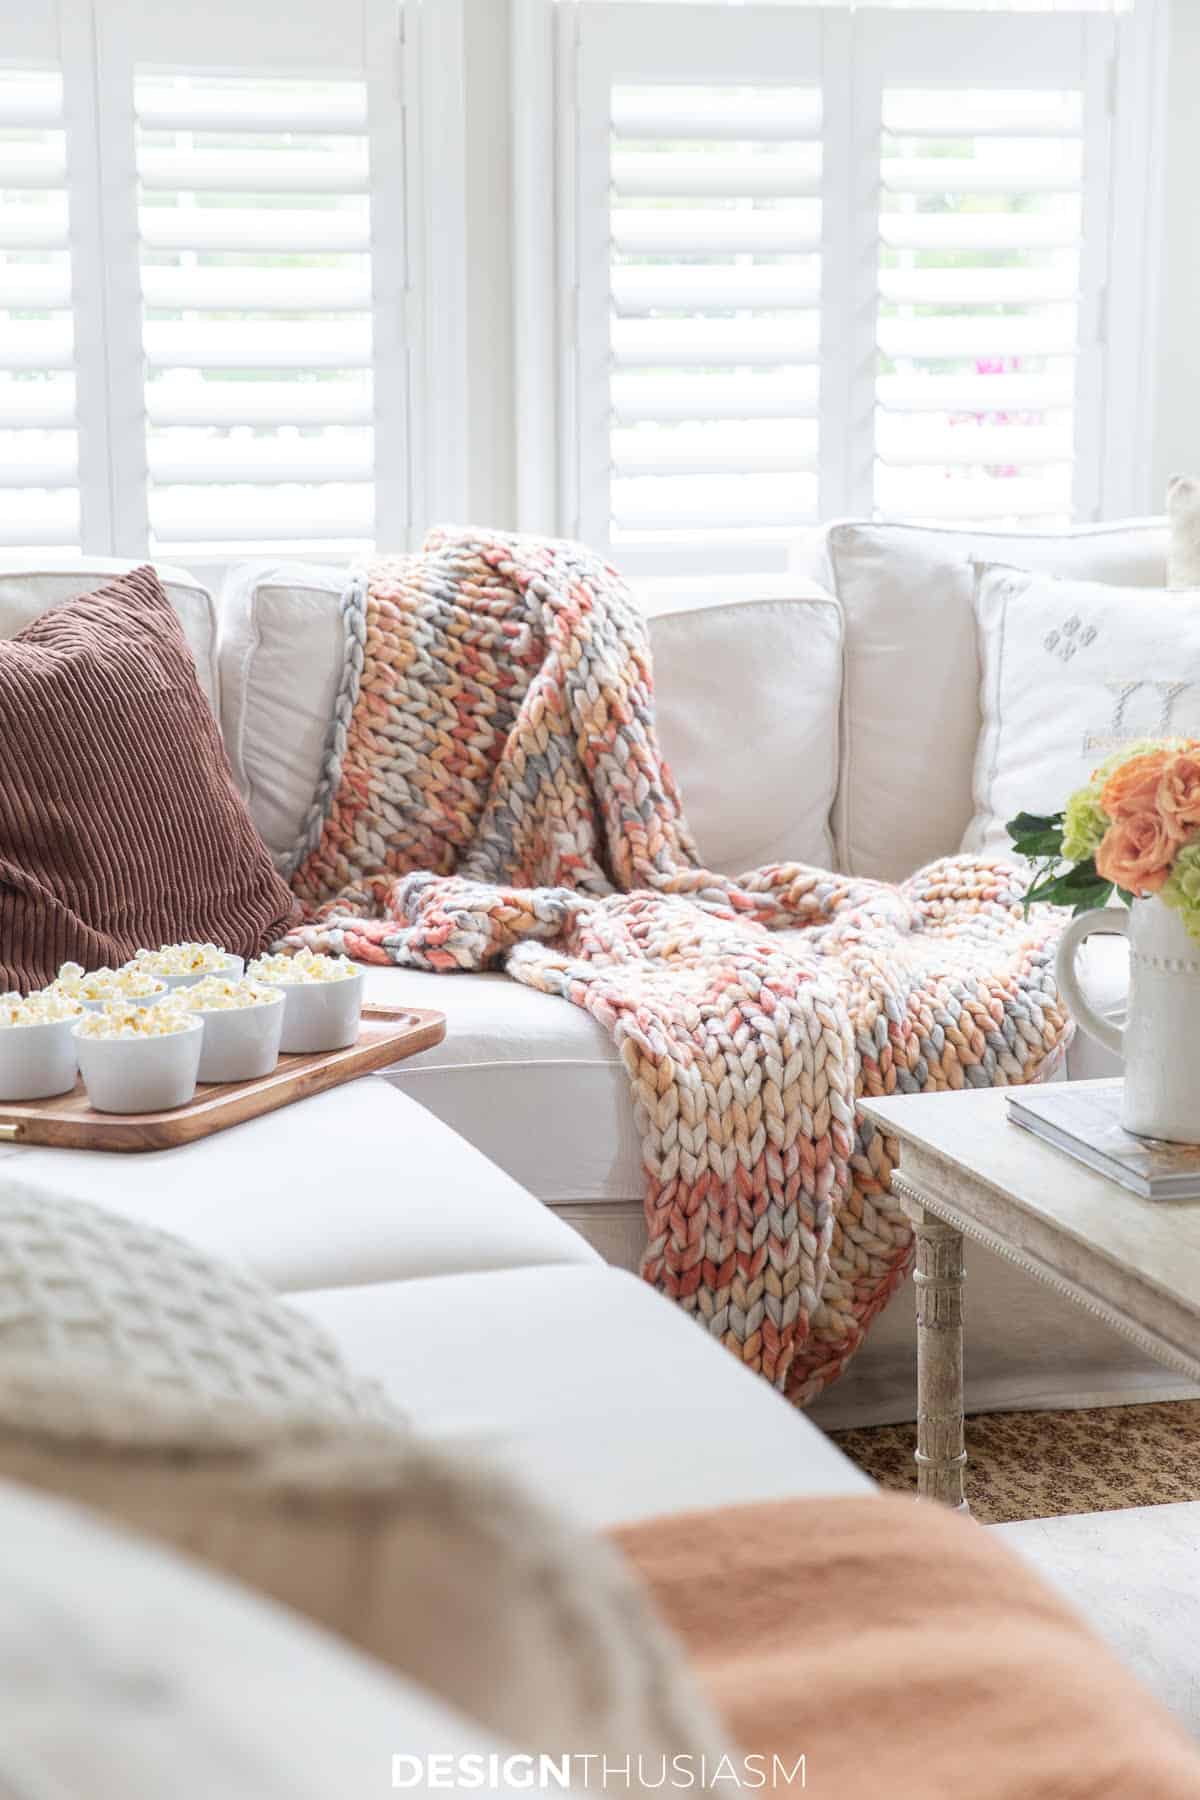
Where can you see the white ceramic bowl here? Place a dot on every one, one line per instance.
(320, 1015)
(141, 1074)
(37, 1060)
(242, 1042)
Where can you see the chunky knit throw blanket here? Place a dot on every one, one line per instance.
(494, 798)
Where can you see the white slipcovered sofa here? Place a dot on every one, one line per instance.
(479, 1294)
(834, 724)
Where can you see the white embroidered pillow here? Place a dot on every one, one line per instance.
(1072, 671)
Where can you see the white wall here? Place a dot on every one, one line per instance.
(1177, 414)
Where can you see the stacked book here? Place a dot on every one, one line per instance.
(1084, 1119)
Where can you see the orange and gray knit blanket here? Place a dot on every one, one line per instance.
(494, 797)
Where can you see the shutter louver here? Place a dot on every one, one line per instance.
(714, 285)
(978, 328)
(255, 231)
(39, 444)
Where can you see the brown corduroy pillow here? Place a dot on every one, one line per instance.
(120, 824)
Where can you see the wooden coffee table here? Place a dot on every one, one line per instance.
(964, 1170)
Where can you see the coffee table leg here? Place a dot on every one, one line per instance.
(941, 1452)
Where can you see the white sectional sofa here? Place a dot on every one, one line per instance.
(836, 724)
(454, 1222)
(489, 1321)
(503, 1334)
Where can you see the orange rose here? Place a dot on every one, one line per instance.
(1179, 794)
(1133, 788)
(1136, 853)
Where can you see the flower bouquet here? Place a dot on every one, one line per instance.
(1134, 829)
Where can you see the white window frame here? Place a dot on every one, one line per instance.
(860, 51)
(410, 54)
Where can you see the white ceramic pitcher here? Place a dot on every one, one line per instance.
(1161, 1041)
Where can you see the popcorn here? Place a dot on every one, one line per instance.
(129, 983)
(305, 966)
(218, 993)
(43, 1008)
(181, 959)
(120, 1019)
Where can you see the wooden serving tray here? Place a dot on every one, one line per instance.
(387, 1034)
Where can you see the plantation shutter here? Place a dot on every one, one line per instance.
(696, 300)
(255, 250)
(993, 265)
(225, 215)
(816, 263)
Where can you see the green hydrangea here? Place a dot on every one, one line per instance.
(1084, 824)
(1182, 890)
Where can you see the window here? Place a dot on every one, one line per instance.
(844, 262)
(210, 220)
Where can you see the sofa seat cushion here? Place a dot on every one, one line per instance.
(532, 1081)
(751, 797)
(354, 1186)
(599, 1392)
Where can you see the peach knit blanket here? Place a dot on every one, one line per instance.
(494, 797)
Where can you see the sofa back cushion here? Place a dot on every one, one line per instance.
(26, 592)
(910, 710)
(747, 697)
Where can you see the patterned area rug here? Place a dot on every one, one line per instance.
(1036, 1465)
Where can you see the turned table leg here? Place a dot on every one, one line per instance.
(941, 1453)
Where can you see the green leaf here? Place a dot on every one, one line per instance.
(1025, 822)
(1044, 882)
(1089, 902)
(1083, 874)
(1079, 888)
(1039, 844)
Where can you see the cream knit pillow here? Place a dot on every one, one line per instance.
(445, 1571)
(81, 1284)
